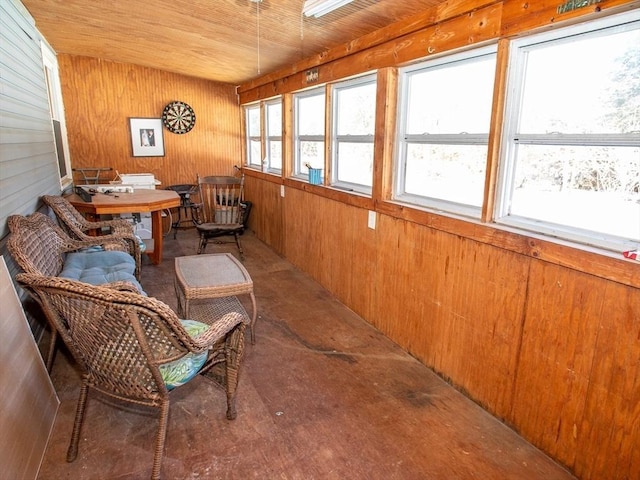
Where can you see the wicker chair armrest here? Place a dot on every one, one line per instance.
(121, 286)
(118, 226)
(72, 245)
(129, 239)
(217, 330)
(133, 245)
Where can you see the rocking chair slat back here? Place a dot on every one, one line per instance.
(221, 210)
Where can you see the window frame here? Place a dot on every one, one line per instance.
(268, 137)
(56, 108)
(511, 137)
(404, 140)
(250, 136)
(336, 139)
(298, 168)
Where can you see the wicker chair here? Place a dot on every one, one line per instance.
(134, 348)
(39, 246)
(78, 227)
(221, 210)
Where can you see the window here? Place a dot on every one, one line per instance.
(445, 113)
(309, 111)
(271, 125)
(354, 112)
(571, 147)
(273, 121)
(254, 136)
(56, 107)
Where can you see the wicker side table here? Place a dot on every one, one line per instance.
(221, 276)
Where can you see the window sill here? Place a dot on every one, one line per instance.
(595, 261)
(352, 198)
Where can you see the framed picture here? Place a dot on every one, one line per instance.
(146, 137)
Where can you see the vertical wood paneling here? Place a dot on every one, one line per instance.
(577, 387)
(552, 351)
(100, 97)
(362, 265)
(304, 217)
(266, 218)
(612, 407)
(455, 304)
(330, 237)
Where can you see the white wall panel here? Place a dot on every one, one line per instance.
(28, 162)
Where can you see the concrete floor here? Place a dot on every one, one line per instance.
(322, 395)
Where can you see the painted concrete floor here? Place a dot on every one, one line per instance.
(322, 395)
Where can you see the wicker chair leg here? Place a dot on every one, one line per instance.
(234, 349)
(160, 439)
(72, 452)
(52, 349)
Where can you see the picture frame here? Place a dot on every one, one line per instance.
(146, 137)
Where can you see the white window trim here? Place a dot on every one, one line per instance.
(268, 138)
(298, 171)
(56, 107)
(437, 205)
(506, 168)
(249, 138)
(336, 139)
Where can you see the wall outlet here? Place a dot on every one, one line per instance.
(282, 190)
(371, 223)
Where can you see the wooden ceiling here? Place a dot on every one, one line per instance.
(231, 41)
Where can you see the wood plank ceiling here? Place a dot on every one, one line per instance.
(230, 41)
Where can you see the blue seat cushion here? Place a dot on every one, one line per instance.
(98, 267)
(180, 371)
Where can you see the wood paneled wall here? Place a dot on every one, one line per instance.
(535, 333)
(544, 336)
(267, 212)
(100, 96)
(552, 351)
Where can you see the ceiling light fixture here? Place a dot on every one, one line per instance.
(318, 8)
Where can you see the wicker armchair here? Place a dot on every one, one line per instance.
(134, 348)
(39, 246)
(78, 227)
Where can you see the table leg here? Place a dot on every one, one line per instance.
(156, 234)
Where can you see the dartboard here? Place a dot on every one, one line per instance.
(178, 117)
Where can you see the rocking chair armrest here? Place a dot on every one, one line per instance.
(196, 212)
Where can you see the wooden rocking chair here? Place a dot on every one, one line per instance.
(221, 211)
